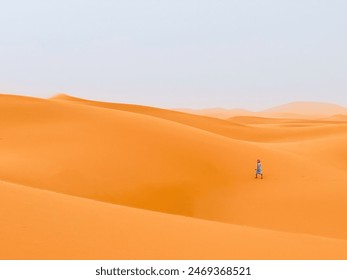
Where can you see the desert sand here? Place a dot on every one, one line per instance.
(83, 179)
(295, 110)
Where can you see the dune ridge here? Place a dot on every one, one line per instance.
(236, 128)
(197, 169)
(292, 110)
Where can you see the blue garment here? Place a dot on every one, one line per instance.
(259, 168)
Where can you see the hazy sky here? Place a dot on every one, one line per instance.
(178, 53)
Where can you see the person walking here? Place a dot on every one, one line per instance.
(259, 169)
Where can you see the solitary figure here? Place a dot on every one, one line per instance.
(259, 169)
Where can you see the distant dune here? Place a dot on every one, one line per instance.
(339, 117)
(308, 109)
(218, 112)
(294, 110)
(82, 179)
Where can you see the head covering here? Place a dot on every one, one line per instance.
(258, 160)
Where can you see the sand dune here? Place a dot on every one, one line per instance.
(236, 128)
(293, 110)
(312, 109)
(219, 113)
(41, 225)
(338, 117)
(285, 121)
(102, 160)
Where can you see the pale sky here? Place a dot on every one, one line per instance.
(179, 53)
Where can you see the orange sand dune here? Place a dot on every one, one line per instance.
(177, 163)
(311, 109)
(332, 151)
(250, 120)
(236, 128)
(293, 110)
(219, 113)
(338, 117)
(43, 225)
